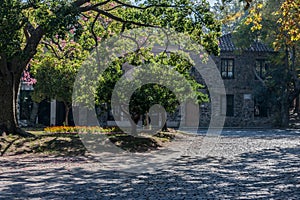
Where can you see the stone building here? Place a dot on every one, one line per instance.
(242, 71)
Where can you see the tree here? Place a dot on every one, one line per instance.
(288, 40)
(148, 89)
(56, 70)
(277, 23)
(230, 13)
(23, 24)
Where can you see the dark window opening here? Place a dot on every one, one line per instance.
(228, 103)
(261, 68)
(227, 68)
(260, 109)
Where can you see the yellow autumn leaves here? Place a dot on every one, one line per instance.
(287, 21)
(255, 17)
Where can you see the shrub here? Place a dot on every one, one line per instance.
(82, 129)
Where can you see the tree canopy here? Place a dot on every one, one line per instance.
(275, 23)
(25, 24)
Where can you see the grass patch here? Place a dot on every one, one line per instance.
(70, 144)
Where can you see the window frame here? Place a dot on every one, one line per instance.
(225, 68)
(263, 66)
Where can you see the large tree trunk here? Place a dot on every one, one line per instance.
(9, 84)
(10, 75)
(8, 121)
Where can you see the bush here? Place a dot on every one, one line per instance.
(82, 129)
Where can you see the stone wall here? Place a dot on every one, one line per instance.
(242, 87)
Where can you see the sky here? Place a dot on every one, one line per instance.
(211, 2)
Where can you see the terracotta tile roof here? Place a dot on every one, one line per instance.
(226, 44)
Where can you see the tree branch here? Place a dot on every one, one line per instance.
(96, 39)
(259, 78)
(122, 20)
(30, 49)
(91, 7)
(79, 3)
(122, 4)
(92, 29)
(101, 4)
(146, 7)
(56, 43)
(52, 48)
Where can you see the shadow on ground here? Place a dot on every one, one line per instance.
(264, 174)
(72, 145)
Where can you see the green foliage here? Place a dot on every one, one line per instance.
(288, 21)
(276, 19)
(230, 13)
(56, 71)
(11, 21)
(56, 17)
(168, 91)
(26, 24)
(183, 16)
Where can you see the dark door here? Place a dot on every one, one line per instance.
(44, 113)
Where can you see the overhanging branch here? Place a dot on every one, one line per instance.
(114, 17)
(259, 78)
(51, 48)
(30, 48)
(122, 4)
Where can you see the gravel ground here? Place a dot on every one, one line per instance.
(236, 165)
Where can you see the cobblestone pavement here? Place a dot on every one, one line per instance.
(240, 165)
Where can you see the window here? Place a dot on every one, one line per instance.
(261, 67)
(227, 68)
(260, 109)
(228, 103)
